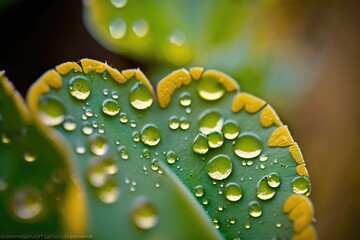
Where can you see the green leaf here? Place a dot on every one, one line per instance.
(198, 139)
(34, 172)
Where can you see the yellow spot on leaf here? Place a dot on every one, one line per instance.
(170, 83)
(140, 76)
(92, 65)
(308, 233)
(296, 153)
(129, 73)
(228, 82)
(269, 117)
(251, 103)
(116, 75)
(281, 137)
(301, 170)
(64, 68)
(196, 72)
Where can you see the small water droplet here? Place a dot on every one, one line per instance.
(69, 123)
(80, 149)
(215, 139)
(114, 95)
(140, 28)
(210, 121)
(109, 192)
(263, 157)
(301, 185)
(177, 38)
(230, 129)
(278, 225)
(123, 152)
(219, 167)
(248, 145)
(154, 165)
(171, 157)
(185, 99)
(51, 110)
(5, 139)
(232, 221)
(210, 88)
(233, 192)
(255, 209)
(98, 145)
(150, 135)
(87, 128)
(26, 204)
(119, 3)
(29, 155)
(199, 191)
(200, 144)
(110, 107)
(264, 191)
(205, 201)
(220, 208)
(133, 124)
(79, 88)
(136, 136)
(174, 122)
(273, 180)
(123, 118)
(184, 123)
(118, 28)
(146, 153)
(140, 97)
(144, 214)
(88, 112)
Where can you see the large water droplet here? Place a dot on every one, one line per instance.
(51, 110)
(119, 3)
(110, 107)
(301, 185)
(230, 129)
(255, 209)
(219, 167)
(98, 145)
(200, 144)
(210, 121)
(215, 139)
(29, 155)
(144, 214)
(171, 157)
(79, 88)
(26, 205)
(199, 191)
(150, 135)
(69, 123)
(140, 28)
(248, 145)
(264, 191)
(273, 180)
(174, 122)
(117, 28)
(233, 192)
(185, 99)
(140, 97)
(109, 192)
(210, 88)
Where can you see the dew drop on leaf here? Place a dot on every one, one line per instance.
(200, 144)
(230, 129)
(110, 107)
(184, 123)
(210, 89)
(150, 135)
(26, 204)
(69, 123)
(122, 151)
(248, 145)
(185, 99)
(109, 192)
(98, 145)
(119, 3)
(210, 121)
(117, 28)
(123, 118)
(29, 155)
(144, 214)
(264, 191)
(140, 97)
(215, 139)
(233, 192)
(219, 167)
(79, 88)
(301, 185)
(273, 180)
(140, 28)
(199, 191)
(51, 110)
(87, 128)
(255, 209)
(174, 122)
(171, 157)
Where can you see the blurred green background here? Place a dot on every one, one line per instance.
(314, 45)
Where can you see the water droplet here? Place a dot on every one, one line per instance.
(140, 97)
(171, 157)
(79, 88)
(87, 128)
(184, 123)
(146, 153)
(140, 28)
(117, 28)
(255, 209)
(80, 149)
(136, 136)
(248, 145)
(273, 180)
(114, 95)
(210, 121)
(278, 225)
(301, 185)
(215, 139)
(174, 122)
(5, 139)
(219, 167)
(26, 205)
(177, 38)
(105, 91)
(233, 192)
(247, 225)
(51, 110)
(123, 118)
(88, 112)
(205, 201)
(263, 157)
(29, 156)
(200, 144)
(150, 135)
(144, 214)
(230, 129)
(133, 124)
(220, 208)
(232, 221)
(98, 145)
(185, 99)
(264, 191)
(210, 88)
(199, 191)
(123, 152)
(110, 107)
(109, 192)
(154, 164)
(69, 123)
